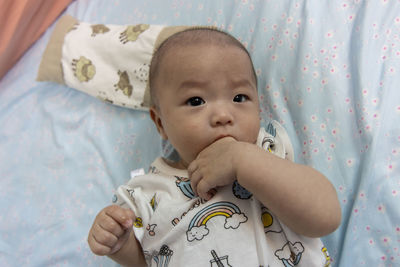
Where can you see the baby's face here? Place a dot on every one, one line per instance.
(206, 93)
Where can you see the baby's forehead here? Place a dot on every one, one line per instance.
(192, 38)
(199, 42)
(198, 37)
(199, 49)
(195, 41)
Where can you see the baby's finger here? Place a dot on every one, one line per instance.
(110, 225)
(103, 237)
(97, 248)
(123, 216)
(205, 190)
(192, 167)
(194, 180)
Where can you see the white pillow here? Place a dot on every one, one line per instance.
(110, 62)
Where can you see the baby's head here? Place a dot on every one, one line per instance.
(194, 36)
(203, 87)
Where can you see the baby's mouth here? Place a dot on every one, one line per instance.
(223, 136)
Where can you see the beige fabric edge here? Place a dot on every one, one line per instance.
(50, 68)
(162, 36)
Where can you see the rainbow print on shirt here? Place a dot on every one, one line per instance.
(198, 225)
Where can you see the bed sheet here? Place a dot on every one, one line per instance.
(327, 70)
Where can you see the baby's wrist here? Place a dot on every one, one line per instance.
(238, 154)
(243, 157)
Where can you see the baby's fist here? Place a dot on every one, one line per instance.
(110, 230)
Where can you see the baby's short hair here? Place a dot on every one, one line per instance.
(191, 36)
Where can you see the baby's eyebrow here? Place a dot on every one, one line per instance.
(243, 83)
(193, 84)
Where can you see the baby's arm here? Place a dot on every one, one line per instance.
(111, 235)
(301, 197)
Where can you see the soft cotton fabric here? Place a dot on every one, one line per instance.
(177, 228)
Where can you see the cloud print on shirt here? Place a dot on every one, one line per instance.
(234, 221)
(197, 233)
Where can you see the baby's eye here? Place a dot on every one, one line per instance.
(195, 101)
(240, 98)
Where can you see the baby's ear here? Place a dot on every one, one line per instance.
(156, 118)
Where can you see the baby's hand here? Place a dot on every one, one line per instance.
(213, 167)
(110, 230)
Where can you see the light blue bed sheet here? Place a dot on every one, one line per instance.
(329, 71)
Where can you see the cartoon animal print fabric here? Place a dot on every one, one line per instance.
(93, 66)
(83, 69)
(123, 83)
(176, 228)
(99, 29)
(132, 33)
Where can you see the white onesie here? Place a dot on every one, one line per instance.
(176, 228)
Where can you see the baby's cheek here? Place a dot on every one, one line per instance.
(252, 132)
(187, 149)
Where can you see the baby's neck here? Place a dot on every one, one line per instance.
(175, 164)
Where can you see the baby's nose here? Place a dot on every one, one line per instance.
(221, 117)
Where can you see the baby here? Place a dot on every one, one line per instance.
(232, 199)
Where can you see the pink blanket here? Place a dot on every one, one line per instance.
(22, 23)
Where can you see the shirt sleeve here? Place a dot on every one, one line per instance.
(276, 140)
(134, 198)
